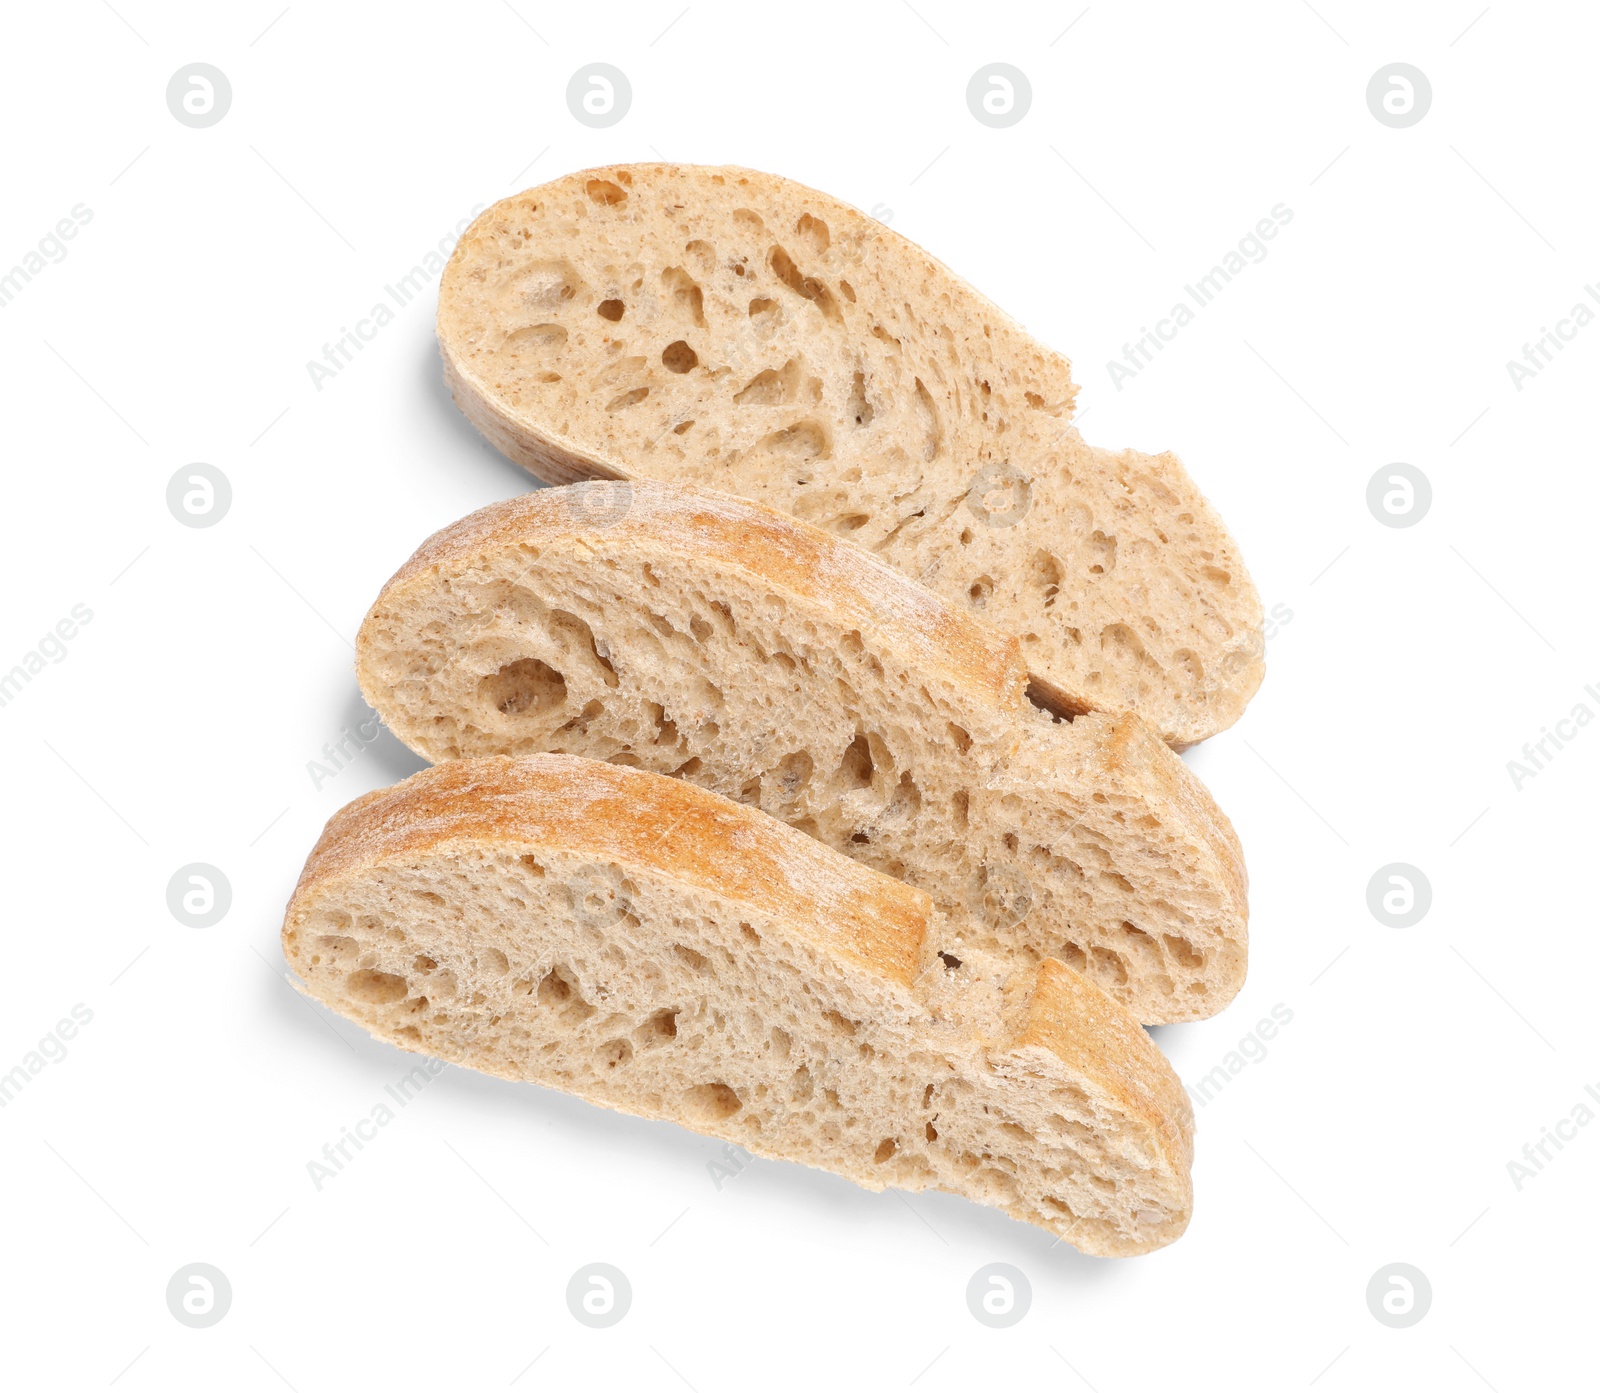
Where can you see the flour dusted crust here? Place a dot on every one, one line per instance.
(688, 632)
(733, 329)
(662, 951)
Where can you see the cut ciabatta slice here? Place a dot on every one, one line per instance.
(734, 329)
(659, 950)
(693, 633)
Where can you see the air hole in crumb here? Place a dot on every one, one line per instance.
(526, 687)
(534, 339)
(1183, 952)
(1053, 703)
(771, 386)
(927, 416)
(813, 232)
(689, 957)
(547, 285)
(1109, 967)
(678, 357)
(1102, 552)
(627, 399)
(604, 191)
(791, 776)
(711, 1102)
(808, 287)
(338, 947)
(555, 988)
(858, 408)
(952, 962)
(375, 988)
(610, 309)
(764, 315)
(886, 1149)
(685, 294)
(660, 1028)
(855, 766)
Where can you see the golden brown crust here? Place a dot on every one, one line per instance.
(1077, 1022)
(633, 818)
(1139, 756)
(788, 554)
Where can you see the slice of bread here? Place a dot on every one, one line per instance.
(693, 633)
(659, 950)
(734, 329)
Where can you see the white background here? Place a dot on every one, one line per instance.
(1417, 662)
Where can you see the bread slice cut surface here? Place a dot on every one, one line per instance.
(692, 633)
(735, 329)
(662, 951)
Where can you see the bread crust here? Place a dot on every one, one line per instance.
(664, 825)
(1098, 758)
(1080, 1025)
(795, 558)
(1062, 1028)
